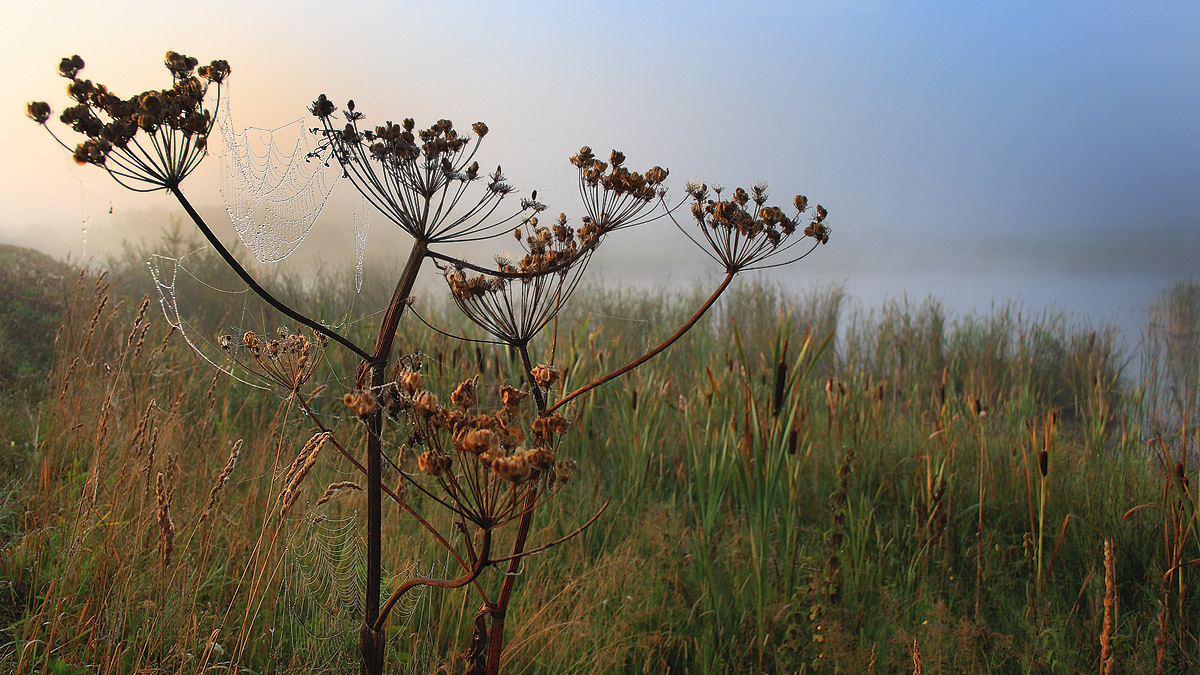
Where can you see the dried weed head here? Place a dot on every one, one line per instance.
(150, 141)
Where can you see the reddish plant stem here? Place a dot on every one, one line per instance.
(650, 354)
(495, 642)
(484, 549)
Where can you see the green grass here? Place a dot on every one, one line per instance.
(783, 499)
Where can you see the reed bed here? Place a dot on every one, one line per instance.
(803, 489)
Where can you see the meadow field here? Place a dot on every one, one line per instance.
(796, 487)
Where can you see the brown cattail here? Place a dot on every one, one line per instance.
(166, 528)
(1043, 462)
(781, 370)
(1107, 661)
(222, 479)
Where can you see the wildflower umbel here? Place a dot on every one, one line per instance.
(483, 462)
(743, 233)
(150, 141)
(516, 309)
(418, 179)
(288, 360)
(477, 454)
(613, 196)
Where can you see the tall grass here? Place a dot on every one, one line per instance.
(807, 489)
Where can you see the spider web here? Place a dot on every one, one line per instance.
(272, 194)
(322, 586)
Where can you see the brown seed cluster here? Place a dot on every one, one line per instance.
(615, 177)
(517, 303)
(544, 375)
(400, 169)
(174, 120)
(289, 360)
(614, 196)
(481, 458)
(743, 232)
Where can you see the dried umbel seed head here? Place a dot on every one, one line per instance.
(322, 107)
(742, 232)
(411, 381)
(434, 463)
(426, 403)
(540, 458)
(615, 196)
(464, 395)
(511, 397)
(70, 66)
(516, 468)
(216, 71)
(38, 111)
(550, 424)
(174, 118)
(478, 441)
(361, 401)
(566, 469)
(544, 375)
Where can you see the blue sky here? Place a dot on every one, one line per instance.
(958, 136)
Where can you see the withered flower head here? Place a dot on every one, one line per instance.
(116, 128)
(614, 196)
(38, 111)
(434, 463)
(544, 375)
(216, 71)
(744, 233)
(361, 401)
(322, 107)
(464, 395)
(510, 397)
(70, 66)
(417, 178)
(518, 300)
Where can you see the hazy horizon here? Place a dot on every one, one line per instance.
(1043, 153)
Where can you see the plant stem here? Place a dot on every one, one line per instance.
(495, 642)
(371, 633)
(255, 286)
(650, 354)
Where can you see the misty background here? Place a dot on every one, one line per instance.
(1046, 154)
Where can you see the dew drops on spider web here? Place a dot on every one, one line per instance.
(322, 587)
(362, 221)
(272, 195)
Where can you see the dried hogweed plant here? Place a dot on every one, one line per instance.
(489, 460)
